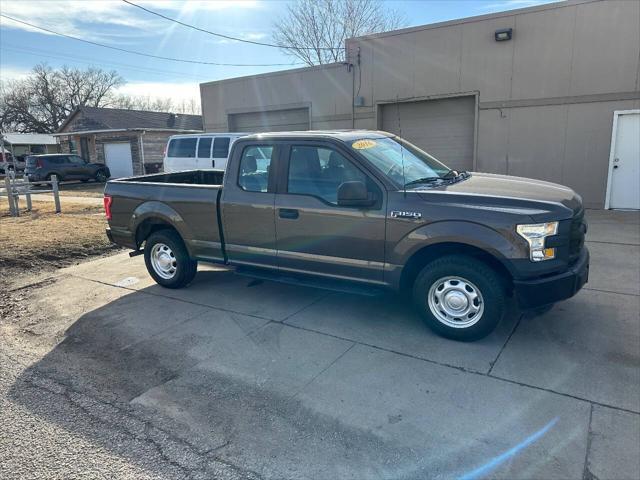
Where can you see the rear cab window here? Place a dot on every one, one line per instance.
(255, 164)
(182, 147)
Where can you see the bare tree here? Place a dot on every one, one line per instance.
(315, 30)
(157, 104)
(41, 102)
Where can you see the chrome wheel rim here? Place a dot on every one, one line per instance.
(163, 261)
(455, 302)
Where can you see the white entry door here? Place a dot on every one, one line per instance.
(624, 166)
(117, 156)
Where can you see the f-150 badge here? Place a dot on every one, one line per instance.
(411, 215)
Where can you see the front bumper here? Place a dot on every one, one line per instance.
(553, 288)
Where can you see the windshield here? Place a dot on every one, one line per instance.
(399, 160)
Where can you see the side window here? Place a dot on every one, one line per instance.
(76, 160)
(221, 147)
(204, 147)
(182, 147)
(60, 160)
(254, 168)
(319, 171)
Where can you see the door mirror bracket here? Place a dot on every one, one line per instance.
(355, 194)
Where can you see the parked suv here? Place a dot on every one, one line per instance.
(66, 167)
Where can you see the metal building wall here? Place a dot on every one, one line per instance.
(544, 100)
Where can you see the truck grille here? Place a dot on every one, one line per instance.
(576, 235)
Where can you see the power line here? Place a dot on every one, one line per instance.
(228, 37)
(148, 54)
(87, 61)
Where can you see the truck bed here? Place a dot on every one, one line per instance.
(189, 177)
(187, 201)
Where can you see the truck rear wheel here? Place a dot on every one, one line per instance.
(168, 260)
(460, 297)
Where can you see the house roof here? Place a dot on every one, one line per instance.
(29, 139)
(94, 118)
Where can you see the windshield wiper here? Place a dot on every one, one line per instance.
(423, 180)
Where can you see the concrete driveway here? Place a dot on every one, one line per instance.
(114, 376)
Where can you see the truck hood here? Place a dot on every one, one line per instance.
(536, 196)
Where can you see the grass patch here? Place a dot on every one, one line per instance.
(42, 240)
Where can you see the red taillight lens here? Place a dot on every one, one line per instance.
(107, 206)
(39, 163)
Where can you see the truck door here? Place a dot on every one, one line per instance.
(314, 234)
(248, 206)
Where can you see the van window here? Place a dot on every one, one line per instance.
(204, 147)
(182, 147)
(221, 147)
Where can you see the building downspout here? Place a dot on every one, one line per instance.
(351, 69)
(353, 96)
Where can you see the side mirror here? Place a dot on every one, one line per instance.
(354, 194)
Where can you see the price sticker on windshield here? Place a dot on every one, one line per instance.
(364, 144)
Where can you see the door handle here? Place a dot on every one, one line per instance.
(291, 213)
(213, 164)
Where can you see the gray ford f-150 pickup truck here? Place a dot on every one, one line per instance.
(354, 209)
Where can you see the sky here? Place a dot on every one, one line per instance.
(118, 24)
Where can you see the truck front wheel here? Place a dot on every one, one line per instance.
(460, 297)
(168, 260)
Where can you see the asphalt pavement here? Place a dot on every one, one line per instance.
(106, 375)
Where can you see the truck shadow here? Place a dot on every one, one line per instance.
(129, 377)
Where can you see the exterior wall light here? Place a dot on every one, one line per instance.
(503, 34)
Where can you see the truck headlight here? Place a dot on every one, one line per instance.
(535, 235)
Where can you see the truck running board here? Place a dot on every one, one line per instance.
(312, 282)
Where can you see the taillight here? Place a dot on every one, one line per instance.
(39, 163)
(108, 200)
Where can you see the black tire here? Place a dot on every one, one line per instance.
(460, 274)
(100, 176)
(185, 267)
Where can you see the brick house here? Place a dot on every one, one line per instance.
(129, 142)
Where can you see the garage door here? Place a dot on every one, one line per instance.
(444, 128)
(117, 156)
(270, 121)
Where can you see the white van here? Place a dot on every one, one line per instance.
(198, 151)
